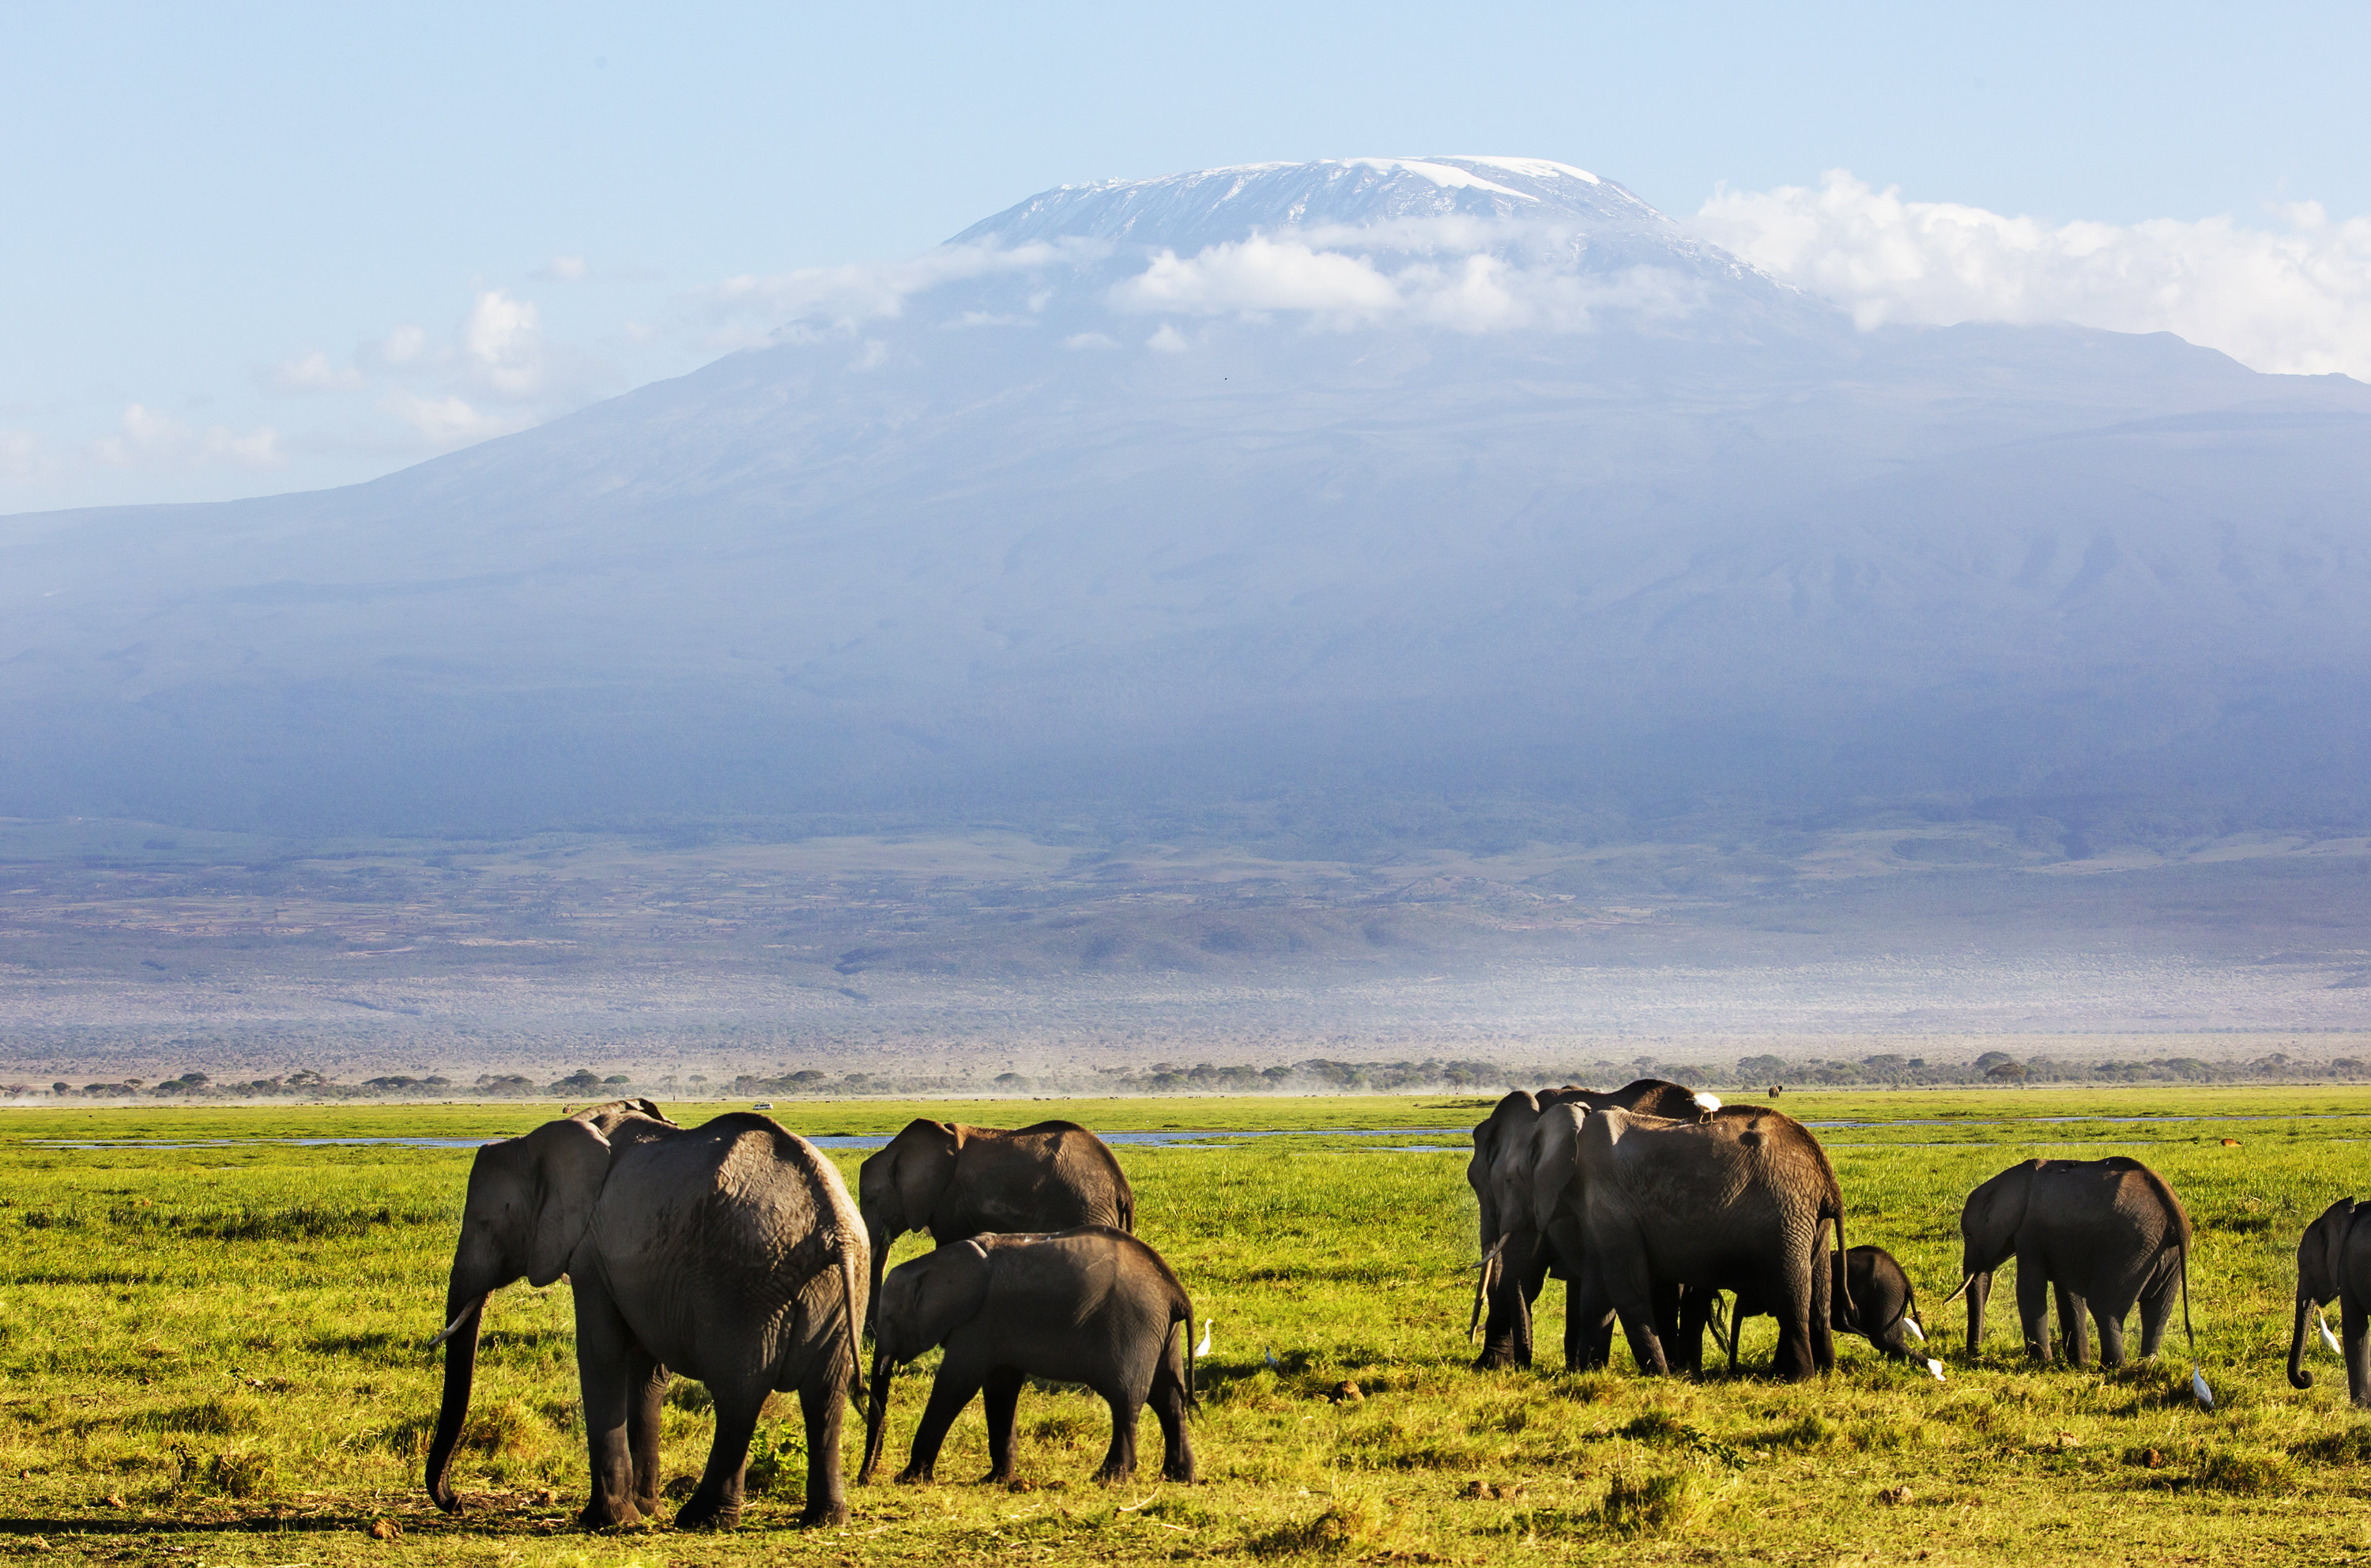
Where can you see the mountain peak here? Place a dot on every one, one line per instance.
(1213, 206)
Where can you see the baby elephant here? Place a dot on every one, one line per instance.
(1882, 1309)
(1092, 1306)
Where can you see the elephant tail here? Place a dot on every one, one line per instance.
(1844, 1301)
(877, 1413)
(848, 1289)
(1181, 1321)
(2188, 1332)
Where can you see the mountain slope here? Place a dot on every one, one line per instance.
(1375, 483)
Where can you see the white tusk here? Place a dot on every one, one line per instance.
(451, 1328)
(1707, 1103)
(1936, 1368)
(1912, 1325)
(2326, 1337)
(2198, 1387)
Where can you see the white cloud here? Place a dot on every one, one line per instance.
(148, 439)
(503, 347)
(23, 458)
(2295, 298)
(564, 270)
(1166, 339)
(401, 346)
(1259, 275)
(840, 299)
(313, 373)
(447, 421)
(1089, 340)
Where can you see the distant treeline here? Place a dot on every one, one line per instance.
(1316, 1075)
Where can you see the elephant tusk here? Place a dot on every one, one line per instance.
(454, 1326)
(1961, 1291)
(2326, 1337)
(1936, 1368)
(1912, 1325)
(2199, 1390)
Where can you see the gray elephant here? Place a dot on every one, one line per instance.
(2103, 1233)
(2334, 1261)
(1514, 1270)
(1742, 1199)
(1092, 1305)
(957, 1182)
(728, 1252)
(1870, 1296)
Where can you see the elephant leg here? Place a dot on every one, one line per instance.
(1003, 1401)
(645, 1417)
(1168, 1402)
(1979, 1290)
(1695, 1311)
(1791, 1305)
(823, 1404)
(950, 1391)
(2157, 1303)
(1824, 1302)
(1684, 1358)
(1633, 1293)
(2111, 1336)
(2073, 1329)
(2033, 1308)
(1507, 1331)
(611, 1372)
(717, 1500)
(2355, 1338)
(1119, 1461)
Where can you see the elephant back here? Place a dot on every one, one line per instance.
(1050, 1176)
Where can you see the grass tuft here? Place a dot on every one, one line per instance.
(1650, 1504)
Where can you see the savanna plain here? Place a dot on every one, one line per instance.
(214, 1350)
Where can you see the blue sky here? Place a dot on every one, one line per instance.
(218, 223)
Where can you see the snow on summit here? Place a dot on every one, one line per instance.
(1214, 206)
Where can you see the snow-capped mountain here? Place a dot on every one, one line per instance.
(1375, 480)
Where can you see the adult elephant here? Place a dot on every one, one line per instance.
(728, 1252)
(2104, 1234)
(957, 1182)
(1742, 1199)
(2334, 1261)
(1515, 1270)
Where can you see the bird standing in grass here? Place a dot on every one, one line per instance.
(1204, 1348)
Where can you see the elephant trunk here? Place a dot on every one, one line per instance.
(876, 1412)
(877, 1239)
(2298, 1377)
(460, 1369)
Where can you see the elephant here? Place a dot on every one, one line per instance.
(1513, 1269)
(957, 1182)
(2103, 1233)
(2335, 1259)
(1090, 1305)
(1740, 1199)
(728, 1252)
(1870, 1296)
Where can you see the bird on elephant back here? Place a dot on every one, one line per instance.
(2102, 1234)
(729, 1254)
(1514, 1268)
(958, 1181)
(1650, 1216)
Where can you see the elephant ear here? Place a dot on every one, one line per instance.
(950, 1289)
(1556, 1160)
(1993, 1215)
(567, 1163)
(924, 1169)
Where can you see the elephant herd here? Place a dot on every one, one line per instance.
(731, 1254)
(1653, 1201)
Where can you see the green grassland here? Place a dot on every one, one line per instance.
(214, 1354)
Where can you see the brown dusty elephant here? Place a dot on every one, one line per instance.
(1513, 1268)
(2103, 1233)
(957, 1182)
(1743, 1199)
(2334, 1261)
(1092, 1305)
(728, 1252)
